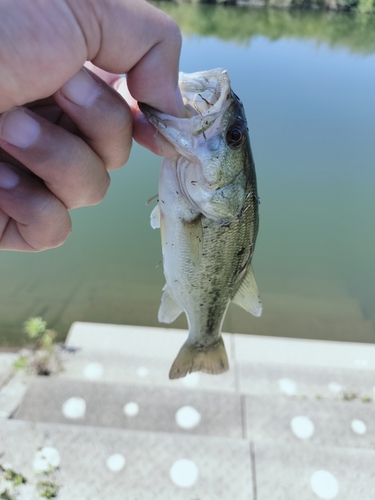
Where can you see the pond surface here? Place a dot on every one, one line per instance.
(307, 80)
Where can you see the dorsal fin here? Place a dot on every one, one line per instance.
(169, 310)
(247, 296)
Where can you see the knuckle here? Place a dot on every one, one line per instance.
(53, 236)
(56, 239)
(118, 158)
(94, 195)
(111, 113)
(115, 140)
(173, 32)
(101, 190)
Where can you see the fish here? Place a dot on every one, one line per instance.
(208, 215)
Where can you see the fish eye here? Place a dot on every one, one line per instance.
(234, 136)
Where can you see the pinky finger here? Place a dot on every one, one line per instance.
(31, 217)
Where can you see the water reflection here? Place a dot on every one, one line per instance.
(355, 32)
(307, 83)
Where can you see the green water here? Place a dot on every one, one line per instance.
(307, 81)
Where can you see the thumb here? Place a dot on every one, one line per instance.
(142, 41)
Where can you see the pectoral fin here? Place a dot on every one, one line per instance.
(247, 296)
(169, 310)
(195, 358)
(155, 217)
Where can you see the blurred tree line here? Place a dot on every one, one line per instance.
(354, 31)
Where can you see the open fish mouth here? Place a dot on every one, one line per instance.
(206, 95)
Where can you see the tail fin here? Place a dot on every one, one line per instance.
(195, 358)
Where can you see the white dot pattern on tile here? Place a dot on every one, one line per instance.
(287, 386)
(191, 380)
(142, 371)
(360, 362)
(358, 426)
(302, 427)
(116, 462)
(74, 408)
(335, 387)
(187, 417)
(46, 459)
(184, 473)
(93, 371)
(131, 409)
(324, 485)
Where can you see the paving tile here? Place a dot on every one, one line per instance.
(86, 364)
(314, 382)
(205, 413)
(255, 348)
(327, 423)
(218, 468)
(6, 366)
(287, 472)
(131, 340)
(11, 395)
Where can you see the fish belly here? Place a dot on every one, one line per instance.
(199, 271)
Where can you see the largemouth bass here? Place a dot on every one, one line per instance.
(208, 216)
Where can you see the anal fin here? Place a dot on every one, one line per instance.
(169, 310)
(247, 296)
(195, 358)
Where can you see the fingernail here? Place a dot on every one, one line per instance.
(81, 89)
(18, 128)
(8, 178)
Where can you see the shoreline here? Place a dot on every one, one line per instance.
(355, 6)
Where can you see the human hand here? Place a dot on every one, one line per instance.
(62, 127)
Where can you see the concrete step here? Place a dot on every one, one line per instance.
(53, 399)
(99, 365)
(164, 343)
(306, 381)
(101, 464)
(11, 395)
(285, 420)
(266, 418)
(98, 464)
(258, 365)
(254, 378)
(6, 366)
(292, 420)
(308, 472)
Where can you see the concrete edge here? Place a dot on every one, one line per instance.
(166, 342)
